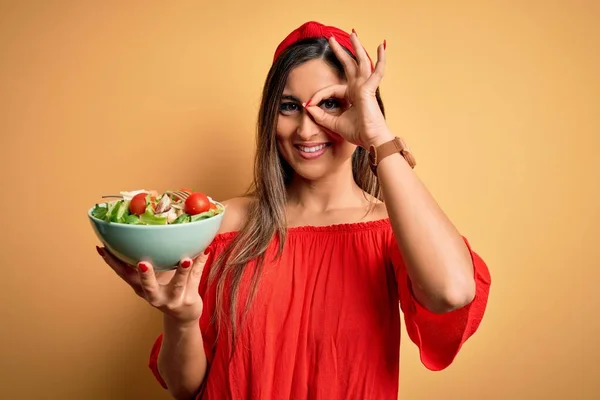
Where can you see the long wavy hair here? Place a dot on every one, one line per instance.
(272, 174)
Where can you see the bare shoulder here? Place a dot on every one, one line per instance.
(377, 208)
(236, 213)
(379, 211)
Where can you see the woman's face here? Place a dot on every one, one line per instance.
(311, 150)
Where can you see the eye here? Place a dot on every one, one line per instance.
(330, 104)
(288, 107)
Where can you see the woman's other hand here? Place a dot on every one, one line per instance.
(174, 292)
(362, 123)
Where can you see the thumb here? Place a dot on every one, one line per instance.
(323, 118)
(198, 267)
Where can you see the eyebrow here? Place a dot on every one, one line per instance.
(290, 97)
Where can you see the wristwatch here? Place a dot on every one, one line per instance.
(396, 145)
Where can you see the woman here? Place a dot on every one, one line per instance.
(297, 297)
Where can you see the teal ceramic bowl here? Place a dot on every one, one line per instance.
(164, 246)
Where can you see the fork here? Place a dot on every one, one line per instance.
(180, 194)
(177, 193)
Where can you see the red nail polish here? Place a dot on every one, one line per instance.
(100, 251)
(206, 251)
(384, 44)
(353, 31)
(308, 103)
(186, 263)
(142, 267)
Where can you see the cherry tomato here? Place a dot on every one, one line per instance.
(197, 203)
(212, 206)
(137, 206)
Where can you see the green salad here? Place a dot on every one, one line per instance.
(143, 207)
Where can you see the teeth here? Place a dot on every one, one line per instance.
(312, 149)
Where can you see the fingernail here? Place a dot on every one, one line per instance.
(100, 251)
(353, 31)
(186, 263)
(142, 267)
(308, 103)
(206, 251)
(384, 44)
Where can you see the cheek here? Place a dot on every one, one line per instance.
(285, 128)
(341, 148)
(285, 131)
(282, 138)
(340, 143)
(347, 149)
(282, 142)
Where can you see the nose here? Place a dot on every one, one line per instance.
(307, 128)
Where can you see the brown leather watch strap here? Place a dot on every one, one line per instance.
(396, 145)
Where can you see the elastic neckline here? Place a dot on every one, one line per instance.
(345, 227)
(334, 228)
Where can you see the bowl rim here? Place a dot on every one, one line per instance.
(166, 226)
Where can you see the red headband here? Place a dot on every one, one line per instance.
(312, 29)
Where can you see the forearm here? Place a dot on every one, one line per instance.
(182, 361)
(437, 259)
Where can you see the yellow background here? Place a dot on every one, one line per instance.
(499, 101)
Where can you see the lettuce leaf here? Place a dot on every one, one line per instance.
(149, 218)
(100, 212)
(132, 220)
(204, 215)
(182, 219)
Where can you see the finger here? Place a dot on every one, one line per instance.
(113, 262)
(348, 62)
(320, 116)
(179, 280)
(323, 118)
(149, 284)
(335, 91)
(364, 63)
(375, 79)
(197, 270)
(125, 271)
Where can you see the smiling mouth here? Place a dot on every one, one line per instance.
(312, 149)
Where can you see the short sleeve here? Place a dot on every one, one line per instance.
(207, 328)
(153, 362)
(439, 337)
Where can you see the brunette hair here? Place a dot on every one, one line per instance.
(266, 214)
